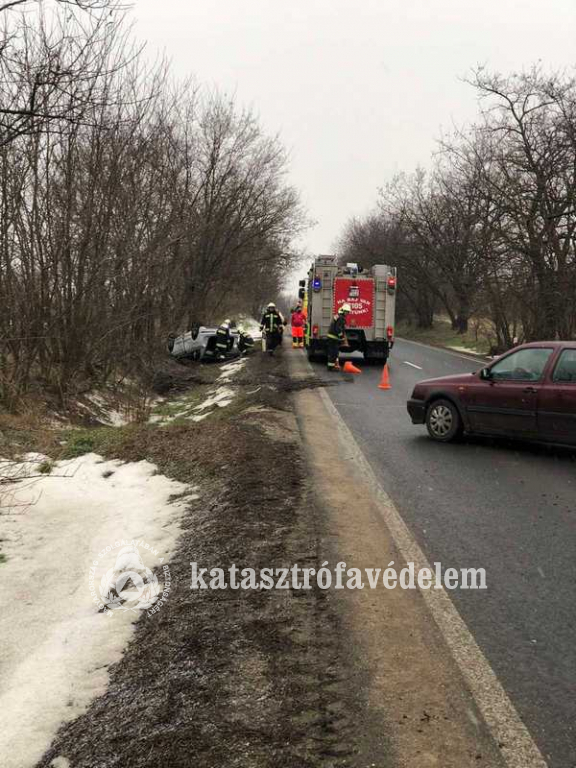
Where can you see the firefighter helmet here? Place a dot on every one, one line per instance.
(271, 305)
(344, 308)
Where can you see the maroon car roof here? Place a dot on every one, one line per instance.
(571, 344)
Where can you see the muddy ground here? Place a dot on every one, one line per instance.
(234, 678)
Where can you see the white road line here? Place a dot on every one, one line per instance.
(517, 746)
(418, 368)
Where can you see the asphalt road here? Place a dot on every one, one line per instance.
(507, 507)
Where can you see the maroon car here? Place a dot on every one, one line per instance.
(530, 392)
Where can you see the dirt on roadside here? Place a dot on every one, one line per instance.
(234, 678)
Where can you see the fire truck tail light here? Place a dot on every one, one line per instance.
(391, 283)
(315, 331)
(390, 332)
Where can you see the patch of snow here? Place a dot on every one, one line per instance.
(199, 418)
(97, 399)
(251, 326)
(221, 397)
(257, 409)
(56, 646)
(231, 369)
(116, 419)
(463, 349)
(106, 413)
(24, 469)
(60, 762)
(56, 420)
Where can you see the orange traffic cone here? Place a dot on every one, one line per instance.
(350, 368)
(385, 380)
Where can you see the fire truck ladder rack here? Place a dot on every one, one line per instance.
(380, 307)
(327, 308)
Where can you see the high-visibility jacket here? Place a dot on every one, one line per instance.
(245, 341)
(271, 321)
(222, 338)
(337, 328)
(298, 319)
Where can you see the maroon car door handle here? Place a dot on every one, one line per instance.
(530, 390)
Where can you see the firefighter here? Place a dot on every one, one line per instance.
(298, 308)
(298, 321)
(337, 337)
(245, 341)
(223, 340)
(271, 324)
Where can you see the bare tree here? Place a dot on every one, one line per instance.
(492, 228)
(529, 123)
(442, 212)
(53, 62)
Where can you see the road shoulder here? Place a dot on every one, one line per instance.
(414, 684)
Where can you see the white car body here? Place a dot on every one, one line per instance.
(193, 344)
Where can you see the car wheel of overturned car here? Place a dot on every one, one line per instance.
(443, 421)
(195, 330)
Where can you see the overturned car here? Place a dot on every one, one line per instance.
(200, 343)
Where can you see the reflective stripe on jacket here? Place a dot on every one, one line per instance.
(222, 337)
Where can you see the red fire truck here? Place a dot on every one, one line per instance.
(371, 293)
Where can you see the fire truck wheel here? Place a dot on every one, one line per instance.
(313, 357)
(376, 361)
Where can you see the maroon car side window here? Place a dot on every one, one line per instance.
(524, 365)
(565, 370)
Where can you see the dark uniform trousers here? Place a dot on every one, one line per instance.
(271, 323)
(335, 338)
(222, 341)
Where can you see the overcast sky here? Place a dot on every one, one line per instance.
(357, 89)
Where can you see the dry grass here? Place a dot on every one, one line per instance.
(478, 340)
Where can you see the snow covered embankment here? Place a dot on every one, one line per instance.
(56, 645)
